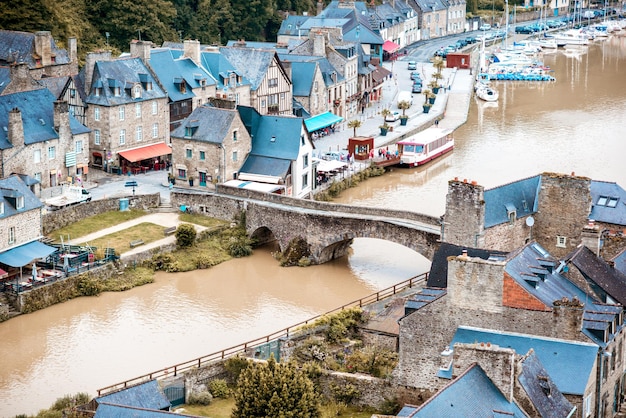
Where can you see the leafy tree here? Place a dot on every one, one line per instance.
(354, 124)
(274, 390)
(185, 235)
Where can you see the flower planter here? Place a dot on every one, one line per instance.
(431, 100)
(403, 121)
(426, 108)
(436, 90)
(383, 131)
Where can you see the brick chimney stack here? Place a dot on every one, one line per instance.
(43, 47)
(62, 120)
(15, 132)
(191, 49)
(90, 63)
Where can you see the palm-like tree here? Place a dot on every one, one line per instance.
(404, 105)
(385, 112)
(354, 124)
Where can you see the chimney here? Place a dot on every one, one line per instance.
(90, 63)
(21, 79)
(72, 50)
(191, 49)
(62, 121)
(319, 44)
(320, 8)
(141, 49)
(43, 47)
(16, 128)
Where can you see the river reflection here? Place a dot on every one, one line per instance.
(89, 343)
(575, 124)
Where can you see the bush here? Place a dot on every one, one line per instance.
(219, 388)
(344, 393)
(200, 398)
(234, 366)
(376, 361)
(88, 286)
(185, 235)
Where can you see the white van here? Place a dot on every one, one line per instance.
(405, 96)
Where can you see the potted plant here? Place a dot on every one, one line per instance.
(427, 104)
(434, 85)
(384, 128)
(404, 105)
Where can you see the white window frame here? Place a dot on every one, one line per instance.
(122, 112)
(139, 133)
(122, 136)
(96, 113)
(561, 241)
(37, 156)
(19, 202)
(155, 130)
(96, 136)
(11, 235)
(52, 152)
(137, 110)
(155, 108)
(78, 146)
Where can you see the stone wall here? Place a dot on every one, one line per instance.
(507, 236)
(473, 281)
(465, 214)
(60, 218)
(26, 227)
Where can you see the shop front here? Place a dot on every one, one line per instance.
(152, 157)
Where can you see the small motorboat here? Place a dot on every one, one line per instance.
(486, 92)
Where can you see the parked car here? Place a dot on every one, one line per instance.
(337, 156)
(412, 65)
(415, 76)
(417, 88)
(523, 29)
(392, 117)
(470, 40)
(485, 26)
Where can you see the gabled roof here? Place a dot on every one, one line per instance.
(608, 202)
(250, 62)
(427, 6)
(541, 390)
(570, 364)
(302, 76)
(146, 395)
(56, 85)
(519, 196)
(168, 70)
(292, 26)
(18, 46)
(12, 187)
(37, 109)
(598, 271)
(207, 124)
(219, 66)
(534, 270)
(472, 394)
(438, 276)
(327, 69)
(122, 73)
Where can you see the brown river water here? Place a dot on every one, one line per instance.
(576, 124)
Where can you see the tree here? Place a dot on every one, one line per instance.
(274, 390)
(404, 105)
(185, 235)
(354, 124)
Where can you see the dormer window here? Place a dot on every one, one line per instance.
(145, 81)
(609, 202)
(179, 82)
(137, 92)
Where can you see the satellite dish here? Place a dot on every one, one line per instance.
(530, 221)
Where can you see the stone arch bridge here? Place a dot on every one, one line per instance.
(328, 228)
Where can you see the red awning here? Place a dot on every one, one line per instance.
(390, 47)
(149, 151)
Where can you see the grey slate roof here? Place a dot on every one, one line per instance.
(37, 108)
(123, 73)
(249, 62)
(570, 364)
(218, 66)
(472, 394)
(541, 390)
(438, 276)
(608, 203)
(520, 196)
(146, 395)
(18, 46)
(13, 186)
(169, 69)
(427, 6)
(5, 78)
(208, 124)
(292, 26)
(602, 277)
(56, 85)
(620, 262)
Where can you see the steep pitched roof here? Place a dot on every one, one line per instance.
(620, 262)
(219, 66)
(10, 188)
(37, 108)
(472, 394)
(438, 276)
(172, 71)
(302, 76)
(5, 78)
(292, 26)
(327, 69)
(146, 395)
(122, 74)
(536, 271)
(599, 273)
(207, 124)
(570, 364)
(541, 390)
(608, 202)
(250, 62)
(519, 197)
(56, 85)
(18, 46)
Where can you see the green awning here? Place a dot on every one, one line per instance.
(321, 121)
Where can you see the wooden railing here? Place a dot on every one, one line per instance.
(241, 348)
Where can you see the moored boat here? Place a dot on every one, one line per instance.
(486, 92)
(425, 146)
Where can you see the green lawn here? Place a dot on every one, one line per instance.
(145, 231)
(94, 223)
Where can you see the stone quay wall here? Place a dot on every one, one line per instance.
(60, 218)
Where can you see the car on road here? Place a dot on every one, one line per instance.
(415, 75)
(334, 156)
(524, 29)
(485, 26)
(412, 65)
(392, 117)
(417, 88)
(470, 40)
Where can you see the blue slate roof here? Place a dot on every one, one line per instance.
(570, 364)
(431, 5)
(619, 262)
(56, 85)
(124, 73)
(520, 196)
(472, 394)
(37, 108)
(266, 166)
(18, 46)
(168, 69)
(302, 75)
(5, 78)
(218, 65)
(259, 45)
(325, 66)
(608, 202)
(146, 395)
(13, 186)
(249, 62)
(208, 124)
(536, 271)
(292, 26)
(542, 391)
